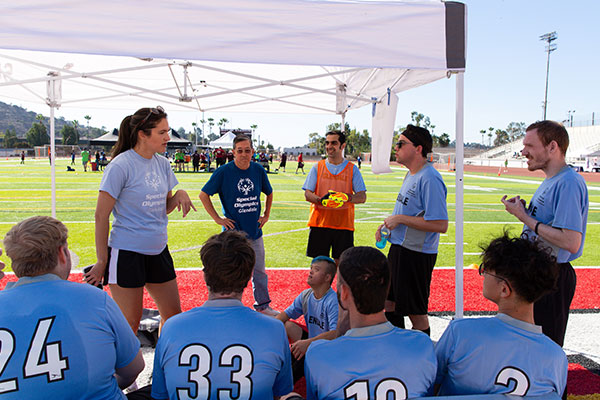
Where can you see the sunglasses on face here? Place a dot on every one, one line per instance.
(402, 143)
(483, 271)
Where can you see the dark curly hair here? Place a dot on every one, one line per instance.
(366, 271)
(528, 266)
(228, 261)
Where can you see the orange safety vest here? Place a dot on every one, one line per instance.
(336, 218)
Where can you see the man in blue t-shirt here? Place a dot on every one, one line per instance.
(239, 185)
(556, 215)
(419, 216)
(373, 359)
(507, 353)
(59, 339)
(223, 349)
(318, 304)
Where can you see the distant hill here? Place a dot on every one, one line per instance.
(20, 119)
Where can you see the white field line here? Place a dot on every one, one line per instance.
(360, 221)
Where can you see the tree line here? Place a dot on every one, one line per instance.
(360, 142)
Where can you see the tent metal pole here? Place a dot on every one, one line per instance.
(459, 182)
(53, 161)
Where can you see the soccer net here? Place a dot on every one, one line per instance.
(62, 150)
(444, 161)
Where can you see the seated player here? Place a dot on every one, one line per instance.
(374, 359)
(223, 349)
(59, 339)
(507, 353)
(319, 306)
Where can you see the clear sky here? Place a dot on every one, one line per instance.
(504, 81)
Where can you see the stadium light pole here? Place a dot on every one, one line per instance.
(550, 47)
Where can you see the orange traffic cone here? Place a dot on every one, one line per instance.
(500, 170)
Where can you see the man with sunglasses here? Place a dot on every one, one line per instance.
(239, 185)
(419, 216)
(556, 216)
(507, 353)
(332, 222)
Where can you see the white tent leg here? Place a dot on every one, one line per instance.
(459, 215)
(52, 161)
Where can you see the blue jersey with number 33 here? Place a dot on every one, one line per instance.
(222, 350)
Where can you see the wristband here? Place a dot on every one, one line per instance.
(536, 227)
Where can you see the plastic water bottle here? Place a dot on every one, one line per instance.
(385, 234)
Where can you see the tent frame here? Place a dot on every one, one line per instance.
(454, 63)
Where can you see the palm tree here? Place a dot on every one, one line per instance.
(253, 127)
(195, 132)
(483, 131)
(202, 121)
(211, 123)
(87, 118)
(222, 123)
(491, 129)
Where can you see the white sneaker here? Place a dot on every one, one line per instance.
(269, 311)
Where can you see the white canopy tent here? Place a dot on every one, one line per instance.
(323, 56)
(225, 141)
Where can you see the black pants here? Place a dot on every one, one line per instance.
(552, 310)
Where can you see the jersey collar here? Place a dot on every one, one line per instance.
(519, 324)
(372, 330)
(32, 279)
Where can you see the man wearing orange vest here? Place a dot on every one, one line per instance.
(333, 186)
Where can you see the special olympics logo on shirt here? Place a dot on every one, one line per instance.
(152, 180)
(245, 186)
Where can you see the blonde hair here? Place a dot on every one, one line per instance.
(33, 244)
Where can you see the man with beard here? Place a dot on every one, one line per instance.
(556, 216)
(333, 186)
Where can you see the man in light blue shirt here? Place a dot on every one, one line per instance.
(507, 353)
(223, 349)
(556, 215)
(60, 339)
(419, 217)
(373, 359)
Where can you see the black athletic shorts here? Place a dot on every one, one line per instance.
(411, 279)
(551, 312)
(320, 240)
(129, 269)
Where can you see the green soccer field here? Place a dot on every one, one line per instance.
(25, 191)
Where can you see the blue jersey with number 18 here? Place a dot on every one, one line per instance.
(371, 363)
(222, 350)
(61, 340)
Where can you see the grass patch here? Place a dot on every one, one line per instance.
(25, 191)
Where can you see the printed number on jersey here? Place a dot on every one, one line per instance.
(518, 377)
(359, 390)
(39, 349)
(240, 378)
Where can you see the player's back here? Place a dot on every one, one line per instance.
(370, 362)
(58, 340)
(499, 355)
(222, 348)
